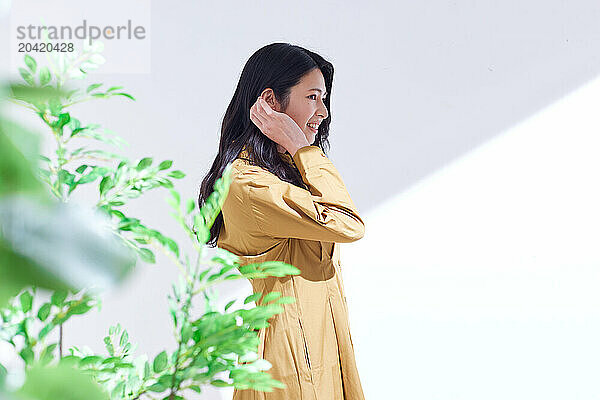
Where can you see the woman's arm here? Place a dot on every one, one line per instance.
(282, 210)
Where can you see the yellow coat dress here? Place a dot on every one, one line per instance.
(309, 343)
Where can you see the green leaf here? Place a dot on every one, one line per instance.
(58, 297)
(27, 77)
(44, 311)
(203, 275)
(111, 360)
(59, 382)
(128, 224)
(70, 360)
(90, 360)
(286, 300)
(81, 169)
(105, 184)
(176, 197)
(66, 177)
(30, 62)
(45, 330)
(248, 357)
(55, 106)
(44, 76)
(124, 339)
(220, 383)
(146, 370)
(278, 268)
(147, 255)
(259, 324)
(93, 86)
(46, 354)
(81, 308)
(157, 387)
(166, 378)
(165, 183)
(160, 362)
(176, 174)
(144, 163)
(196, 388)
(73, 133)
(271, 296)
(165, 165)
(63, 119)
(113, 88)
(95, 173)
(191, 205)
(27, 355)
(125, 95)
(186, 333)
(109, 346)
(228, 305)
(172, 245)
(26, 300)
(33, 95)
(74, 123)
(253, 297)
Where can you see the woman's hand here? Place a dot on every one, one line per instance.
(279, 127)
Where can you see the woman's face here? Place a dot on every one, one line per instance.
(306, 105)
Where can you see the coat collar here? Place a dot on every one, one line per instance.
(244, 153)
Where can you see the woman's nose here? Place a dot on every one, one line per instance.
(323, 111)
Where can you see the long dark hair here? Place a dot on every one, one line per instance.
(278, 66)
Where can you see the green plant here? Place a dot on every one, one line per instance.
(23, 200)
(213, 345)
(74, 165)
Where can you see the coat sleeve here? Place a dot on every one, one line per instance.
(282, 210)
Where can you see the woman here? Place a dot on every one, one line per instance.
(288, 202)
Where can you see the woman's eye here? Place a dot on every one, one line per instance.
(313, 95)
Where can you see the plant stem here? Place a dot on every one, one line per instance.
(22, 104)
(78, 101)
(60, 340)
(212, 283)
(186, 315)
(181, 267)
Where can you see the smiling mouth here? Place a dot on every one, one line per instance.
(313, 127)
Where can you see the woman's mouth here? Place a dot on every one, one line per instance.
(313, 127)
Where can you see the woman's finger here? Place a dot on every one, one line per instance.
(259, 110)
(260, 113)
(265, 106)
(256, 120)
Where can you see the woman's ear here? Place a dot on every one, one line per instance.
(269, 96)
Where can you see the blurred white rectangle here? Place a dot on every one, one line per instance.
(64, 27)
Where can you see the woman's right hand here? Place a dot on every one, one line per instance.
(279, 127)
